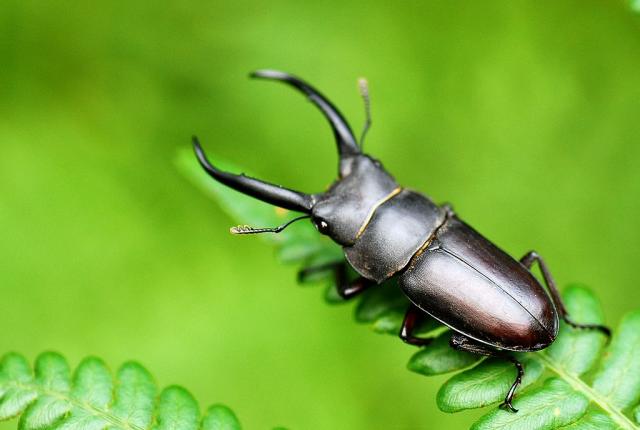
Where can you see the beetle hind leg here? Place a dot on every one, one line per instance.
(532, 257)
(463, 343)
(601, 328)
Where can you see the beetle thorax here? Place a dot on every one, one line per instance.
(344, 210)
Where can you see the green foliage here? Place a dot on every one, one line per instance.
(572, 399)
(484, 384)
(50, 398)
(551, 406)
(618, 380)
(440, 358)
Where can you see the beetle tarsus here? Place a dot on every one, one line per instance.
(509, 397)
(507, 406)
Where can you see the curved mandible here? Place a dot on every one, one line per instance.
(261, 190)
(346, 141)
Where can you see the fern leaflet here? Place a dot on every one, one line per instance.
(51, 398)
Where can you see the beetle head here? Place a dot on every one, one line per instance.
(344, 209)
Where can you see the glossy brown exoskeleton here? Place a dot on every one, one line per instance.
(492, 303)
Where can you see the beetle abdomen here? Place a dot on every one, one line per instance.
(394, 233)
(475, 288)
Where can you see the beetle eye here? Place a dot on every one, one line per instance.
(322, 226)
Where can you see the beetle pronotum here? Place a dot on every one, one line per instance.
(492, 303)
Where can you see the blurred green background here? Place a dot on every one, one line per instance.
(524, 114)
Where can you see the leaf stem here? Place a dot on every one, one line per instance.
(593, 395)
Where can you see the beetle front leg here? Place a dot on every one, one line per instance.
(347, 289)
(412, 319)
(532, 257)
(463, 343)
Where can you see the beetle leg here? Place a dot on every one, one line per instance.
(532, 257)
(347, 289)
(411, 320)
(463, 343)
(509, 397)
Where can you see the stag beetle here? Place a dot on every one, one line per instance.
(493, 304)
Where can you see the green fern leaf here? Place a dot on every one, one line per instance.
(220, 417)
(551, 406)
(178, 410)
(379, 301)
(17, 393)
(618, 379)
(53, 377)
(440, 358)
(592, 421)
(485, 384)
(391, 321)
(567, 400)
(51, 399)
(134, 398)
(577, 351)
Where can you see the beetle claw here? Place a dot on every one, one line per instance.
(507, 406)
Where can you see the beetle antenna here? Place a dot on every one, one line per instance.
(363, 86)
(245, 229)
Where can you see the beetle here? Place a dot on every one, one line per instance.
(492, 303)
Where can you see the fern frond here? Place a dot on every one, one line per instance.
(51, 398)
(575, 397)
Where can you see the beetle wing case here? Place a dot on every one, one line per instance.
(474, 287)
